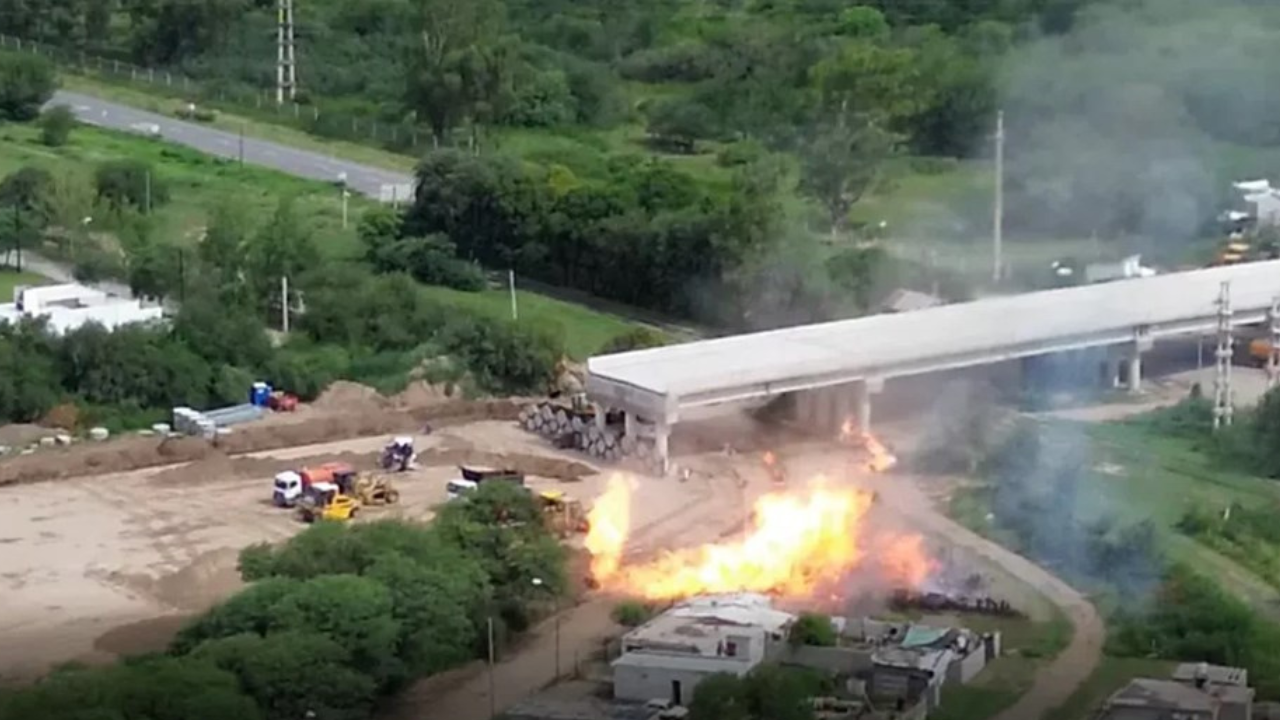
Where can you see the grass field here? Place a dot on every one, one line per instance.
(9, 279)
(198, 183)
(584, 330)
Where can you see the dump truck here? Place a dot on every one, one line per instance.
(564, 515)
(288, 487)
(473, 477)
(326, 501)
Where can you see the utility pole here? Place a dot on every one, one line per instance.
(1273, 355)
(493, 703)
(147, 191)
(284, 303)
(346, 195)
(997, 225)
(1222, 409)
(286, 66)
(17, 231)
(511, 284)
(242, 145)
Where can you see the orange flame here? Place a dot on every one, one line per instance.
(880, 460)
(905, 560)
(798, 543)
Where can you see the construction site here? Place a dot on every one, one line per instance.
(111, 545)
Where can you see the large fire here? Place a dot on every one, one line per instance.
(801, 541)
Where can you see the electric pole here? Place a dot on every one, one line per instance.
(286, 65)
(284, 304)
(997, 223)
(1273, 354)
(17, 232)
(1222, 409)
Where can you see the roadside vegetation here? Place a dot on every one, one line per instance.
(1105, 507)
(333, 620)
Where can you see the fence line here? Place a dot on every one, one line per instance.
(254, 103)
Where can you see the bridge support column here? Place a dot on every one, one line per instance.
(1134, 376)
(600, 411)
(863, 390)
(630, 426)
(661, 441)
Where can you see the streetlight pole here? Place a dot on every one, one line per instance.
(997, 228)
(538, 582)
(493, 706)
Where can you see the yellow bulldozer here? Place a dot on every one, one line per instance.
(374, 490)
(564, 515)
(327, 501)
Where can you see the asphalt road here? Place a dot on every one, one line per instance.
(300, 163)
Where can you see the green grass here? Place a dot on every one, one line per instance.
(256, 127)
(198, 183)
(9, 279)
(1110, 675)
(1139, 475)
(585, 331)
(997, 687)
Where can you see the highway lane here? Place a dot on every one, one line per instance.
(300, 163)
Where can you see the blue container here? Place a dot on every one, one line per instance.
(260, 394)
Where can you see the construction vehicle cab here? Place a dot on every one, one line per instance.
(326, 501)
(374, 490)
(398, 455)
(459, 487)
(287, 487)
(564, 515)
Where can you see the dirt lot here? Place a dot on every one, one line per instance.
(112, 563)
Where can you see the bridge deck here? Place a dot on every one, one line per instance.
(1092, 314)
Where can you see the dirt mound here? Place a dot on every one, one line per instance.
(22, 435)
(133, 453)
(344, 395)
(421, 393)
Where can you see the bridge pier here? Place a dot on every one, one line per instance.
(1134, 376)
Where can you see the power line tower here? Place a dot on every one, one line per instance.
(1273, 356)
(1222, 409)
(286, 61)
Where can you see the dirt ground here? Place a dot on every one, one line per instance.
(107, 564)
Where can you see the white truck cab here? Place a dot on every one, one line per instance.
(459, 487)
(286, 489)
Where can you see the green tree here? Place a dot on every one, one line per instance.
(446, 66)
(841, 163)
(435, 607)
(719, 697)
(505, 355)
(249, 611)
(282, 248)
(56, 125)
(813, 629)
(680, 124)
(133, 184)
(356, 612)
(27, 81)
(292, 674)
(223, 246)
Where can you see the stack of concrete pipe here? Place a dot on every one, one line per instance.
(552, 421)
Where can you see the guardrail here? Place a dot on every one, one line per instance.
(257, 103)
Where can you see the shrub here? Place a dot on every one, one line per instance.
(813, 629)
(27, 81)
(632, 613)
(129, 183)
(56, 125)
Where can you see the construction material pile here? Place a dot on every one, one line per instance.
(573, 429)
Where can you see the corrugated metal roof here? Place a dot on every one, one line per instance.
(982, 326)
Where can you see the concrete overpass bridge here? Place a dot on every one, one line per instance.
(836, 367)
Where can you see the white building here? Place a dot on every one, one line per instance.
(67, 307)
(667, 657)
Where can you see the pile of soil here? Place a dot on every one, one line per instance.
(134, 453)
(21, 435)
(421, 393)
(565, 470)
(344, 395)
